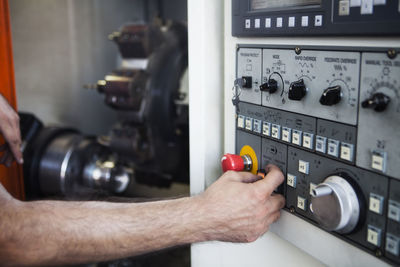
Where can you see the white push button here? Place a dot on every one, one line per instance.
(320, 144)
(304, 21)
(376, 203)
(286, 134)
(312, 187)
(291, 180)
(247, 24)
(268, 23)
(257, 23)
(374, 236)
(292, 22)
(344, 8)
(279, 22)
(304, 166)
(392, 244)
(308, 140)
(333, 147)
(266, 128)
(367, 7)
(257, 126)
(302, 203)
(240, 122)
(394, 210)
(318, 21)
(276, 131)
(249, 124)
(346, 151)
(296, 137)
(378, 161)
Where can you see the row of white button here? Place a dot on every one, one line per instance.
(279, 22)
(334, 146)
(367, 6)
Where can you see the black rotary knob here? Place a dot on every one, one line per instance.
(270, 86)
(297, 90)
(378, 102)
(331, 96)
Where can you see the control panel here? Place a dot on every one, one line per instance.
(329, 118)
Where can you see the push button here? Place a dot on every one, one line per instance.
(392, 244)
(268, 23)
(296, 137)
(304, 166)
(279, 22)
(308, 140)
(266, 128)
(376, 203)
(304, 21)
(257, 126)
(249, 124)
(378, 161)
(312, 187)
(247, 24)
(333, 147)
(344, 8)
(320, 144)
(302, 203)
(367, 7)
(286, 134)
(240, 122)
(318, 21)
(374, 235)
(276, 131)
(394, 210)
(257, 23)
(292, 22)
(291, 180)
(346, 151)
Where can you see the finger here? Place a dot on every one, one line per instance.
(14, 144)
(276, 202)
(271, 181)
(273, 217)
(243, 177)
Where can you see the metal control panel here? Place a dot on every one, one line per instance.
(329, 117)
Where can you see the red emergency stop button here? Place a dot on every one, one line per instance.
(232, 162)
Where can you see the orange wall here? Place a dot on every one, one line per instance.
(11, 178)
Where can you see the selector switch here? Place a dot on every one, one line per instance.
(270, 86)
(378, 102)
(247, 82)
(297, 90)
(331, 96)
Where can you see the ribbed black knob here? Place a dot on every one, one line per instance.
(270, 86)
(331, 96)
(297, 90)
(378, 102)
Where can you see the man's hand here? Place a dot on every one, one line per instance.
(9, 127)
(242, 206)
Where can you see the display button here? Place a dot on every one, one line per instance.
(355, 3)
(266, 128)
(318, 21)
(394, 210)
(378, 161)
(240, 121)
(308, 140)
(392, 244)
(304, 21)
(367, 7)
(296, 137)
(346, 151)
(257, 126)
(247, 24)
(279, 22)
(304, 166)
(374, 235)
(276, 131)
(292, 22)
(312, 187)
(302, 203)
(257, 23)
(249, 124)
(268, 23)
(333, 147)
(286, 134)
(320, 144)
(291, 180)
(344, 8)
(376, 203)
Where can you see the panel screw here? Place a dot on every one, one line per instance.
(391, 53)
(297, 50)
(378, 253)
(292, 209)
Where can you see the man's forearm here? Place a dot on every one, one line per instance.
(50, 232)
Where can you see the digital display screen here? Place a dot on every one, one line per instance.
(279, 4)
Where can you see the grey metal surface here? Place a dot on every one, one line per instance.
(319, 70)
(249, 64)
(380, 131)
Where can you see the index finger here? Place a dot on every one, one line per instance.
(271, 181)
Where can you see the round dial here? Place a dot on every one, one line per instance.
(335, 205)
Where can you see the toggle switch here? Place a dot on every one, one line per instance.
(378, 102)
(270, 86)
(297, 90)
(331, 96)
